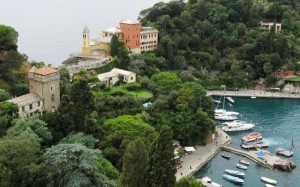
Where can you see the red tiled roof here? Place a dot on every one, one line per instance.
(45, 71)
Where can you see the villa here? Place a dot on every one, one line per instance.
(112, 77)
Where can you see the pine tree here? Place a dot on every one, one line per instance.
(115, 46)
(134, 165)
(162, 168)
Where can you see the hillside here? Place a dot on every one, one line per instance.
(225, 37)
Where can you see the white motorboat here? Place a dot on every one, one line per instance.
(237, 125)
(270, 185)
(269, 181)
(206, 180)
(240, 166)
(233, 179)
(234, 173)
(224, 117)
(230, 100)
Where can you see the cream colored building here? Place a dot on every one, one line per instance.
(268, 25)
(112, 31)
(44, 85)
(110, 78)
(149, 39)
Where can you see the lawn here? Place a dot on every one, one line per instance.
(140, 94)
(294, 79)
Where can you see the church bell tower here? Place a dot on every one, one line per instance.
(86, 40)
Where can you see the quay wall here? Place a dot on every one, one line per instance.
(245, 154)
(254, 93)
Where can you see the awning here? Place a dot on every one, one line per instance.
(189, 149)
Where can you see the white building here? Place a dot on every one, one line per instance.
(110, 78)
(268, 25)
(149, 39)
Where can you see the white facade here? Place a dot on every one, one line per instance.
(149, 39)
(110, 78)
(268, 25)
(29, 104)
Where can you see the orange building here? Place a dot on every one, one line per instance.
(131, 31)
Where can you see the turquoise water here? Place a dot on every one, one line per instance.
(278, 120)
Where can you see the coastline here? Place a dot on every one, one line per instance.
(254, 93)
(203, 154)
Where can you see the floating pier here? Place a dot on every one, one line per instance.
(269, 160)
(284, 152)
(254, 146)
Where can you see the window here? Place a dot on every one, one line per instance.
(23, 109)
(131, 78)
(53, 109)
(39, 103)
(30, 106)
(51, 87)
(52, 98)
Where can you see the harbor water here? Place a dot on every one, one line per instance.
(279, 122)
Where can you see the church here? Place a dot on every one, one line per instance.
(137, 39)
(44, 85)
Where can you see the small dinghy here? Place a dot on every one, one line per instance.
(225, 156)
(230, 100)
(240, 166)
(269, 181)
(244, 162)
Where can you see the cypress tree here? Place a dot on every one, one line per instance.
(134, 165)
(162, 168)
(115, 46)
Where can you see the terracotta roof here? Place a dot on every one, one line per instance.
(45, 71)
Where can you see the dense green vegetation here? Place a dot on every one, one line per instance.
(222, 40)
(104, 136)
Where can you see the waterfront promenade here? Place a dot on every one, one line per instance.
(194, 161)
(253, 93)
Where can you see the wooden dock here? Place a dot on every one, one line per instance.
(269, 160)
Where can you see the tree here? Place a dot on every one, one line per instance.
(166, 81)
(4, 95)
(79, 138)
(134, 165)
(119, 132)
(19, 157)
(33, 125)
(189, 182)
(8, 38)
(20, 88)
(74, 165)
(162, 167)
(268, 68)
(105, 167)
(82, 99)
(115, 46)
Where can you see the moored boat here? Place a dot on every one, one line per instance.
(240, 166)
(237, 125)
(230, 100)
(234, 173)
(233, 179)
(268, 180)
(225, 117)
(225, 156)
(207, 181)
(254, 136)
(269, 185)
(244, 162)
